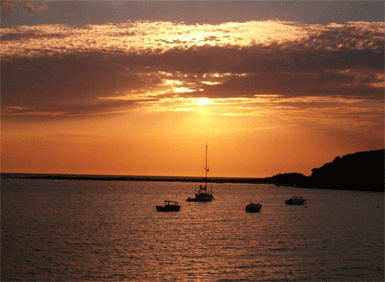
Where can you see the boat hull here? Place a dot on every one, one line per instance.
(201, 198)
(295, 201)
(168, 208)
(253, 207)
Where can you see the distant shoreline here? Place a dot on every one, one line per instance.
(134, 178)
(361, 171)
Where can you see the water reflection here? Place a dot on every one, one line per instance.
(112, 231)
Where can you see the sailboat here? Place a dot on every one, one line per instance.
(203, 195)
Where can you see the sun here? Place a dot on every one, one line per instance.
(204, 101)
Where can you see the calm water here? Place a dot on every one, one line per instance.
(98, 230)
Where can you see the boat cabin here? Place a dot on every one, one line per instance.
(169, 206)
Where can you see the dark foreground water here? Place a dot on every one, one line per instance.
(68, 230)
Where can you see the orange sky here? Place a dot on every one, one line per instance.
(144, 97)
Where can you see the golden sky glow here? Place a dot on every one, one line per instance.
(145, 96)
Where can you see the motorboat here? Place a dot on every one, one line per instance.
(203, 195)
(297, 201)
(169, 206)
(253, 207)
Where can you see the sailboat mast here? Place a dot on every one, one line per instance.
(206, 162)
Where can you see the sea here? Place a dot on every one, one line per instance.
(87, 230)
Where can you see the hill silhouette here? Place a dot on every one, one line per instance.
(363, 171)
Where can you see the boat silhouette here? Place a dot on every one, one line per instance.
(168, 206)
(296, 201)
(203, 195)
(253, 207)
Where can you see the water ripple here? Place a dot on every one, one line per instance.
(110, 231)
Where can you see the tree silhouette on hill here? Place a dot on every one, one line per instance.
(362, 171)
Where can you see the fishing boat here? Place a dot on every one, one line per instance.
(296, 201)
(169, 206)
(203, 195)
(253, 207)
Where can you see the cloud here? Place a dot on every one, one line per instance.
(8, 7)
(30, 34)
(58, 70)
(33, 8)
(73, 110)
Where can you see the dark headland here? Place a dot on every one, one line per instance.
(362, 171)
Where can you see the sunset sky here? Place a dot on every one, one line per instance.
(140, 88)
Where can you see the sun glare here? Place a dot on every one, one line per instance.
(204, 101)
